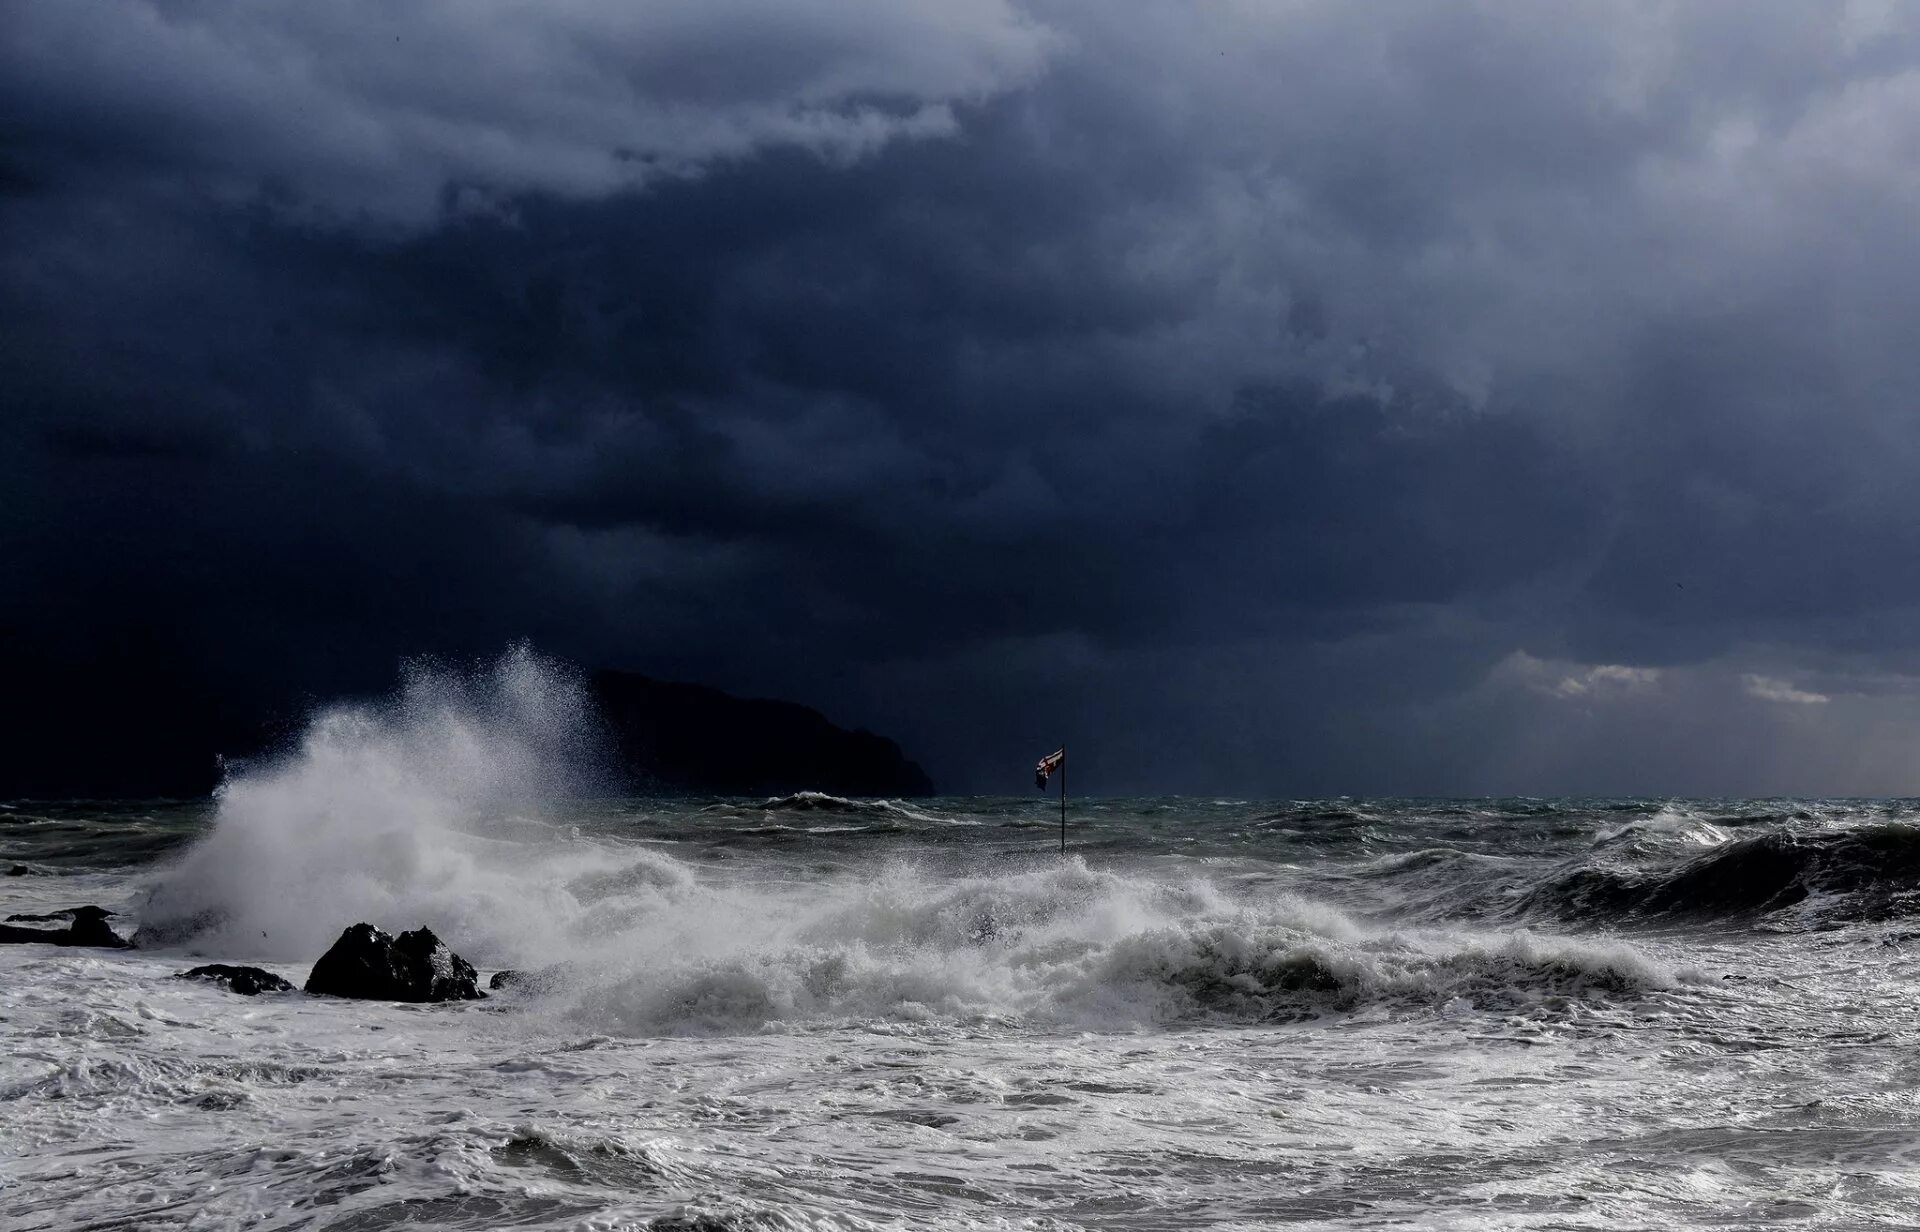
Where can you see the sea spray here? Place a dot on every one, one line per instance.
(418, 810)
(425, 810)
(1054, 943)
(1191, 1021)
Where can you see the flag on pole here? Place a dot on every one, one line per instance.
(1048, 764)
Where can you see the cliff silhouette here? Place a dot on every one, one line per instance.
(148, 730)
(690, 738)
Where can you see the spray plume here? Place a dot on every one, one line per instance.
(414, 810)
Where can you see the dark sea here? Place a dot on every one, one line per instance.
(812, 1012)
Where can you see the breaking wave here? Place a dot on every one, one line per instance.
(822, 802)
(427, 811)
(1869, 872)
(425, 808)
(1063, 944)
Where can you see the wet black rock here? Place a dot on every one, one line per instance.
(86, 926)
(247, 981)
(158, 930)
(89, 927)
(373, 965)
(539, 981)
(18, 870)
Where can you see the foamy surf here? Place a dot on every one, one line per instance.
(817, 1012)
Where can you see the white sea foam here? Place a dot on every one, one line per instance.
(906, 1036)
(411, 811)
(1061, 944)
(1671, 821)
(417, 812)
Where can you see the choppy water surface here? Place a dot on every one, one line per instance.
(818, 1013)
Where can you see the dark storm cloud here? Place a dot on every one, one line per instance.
(1277, 397)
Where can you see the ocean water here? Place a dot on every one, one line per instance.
(811, 1012)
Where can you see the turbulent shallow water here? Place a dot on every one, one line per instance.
(818, 1013)
(809, 1012)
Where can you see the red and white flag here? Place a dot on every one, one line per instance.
(1048, 764)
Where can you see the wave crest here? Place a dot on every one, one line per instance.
(1869, 872)
(414, 811)
(1063, 944)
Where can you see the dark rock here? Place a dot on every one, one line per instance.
(158, 930)
(687, 737)
(87, 927)
(18, 870)
(247, 981)
(373, 965)
(13, 934)
(538, 981)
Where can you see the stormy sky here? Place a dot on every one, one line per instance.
(1267, 398)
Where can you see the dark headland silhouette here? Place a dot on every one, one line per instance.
(691, 738)
(663, 737)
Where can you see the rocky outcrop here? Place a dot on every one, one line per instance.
(86, 926)
(537, 982)
(686, 737)
(158, 929)
(247, 981)
(370, 964)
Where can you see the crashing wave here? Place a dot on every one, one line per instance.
(1870, 872)
(404, 813)
(1271, 974)
(1064, 945)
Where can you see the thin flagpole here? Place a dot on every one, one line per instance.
(1063, 799)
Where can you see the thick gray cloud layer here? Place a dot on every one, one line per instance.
(1294, 397)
